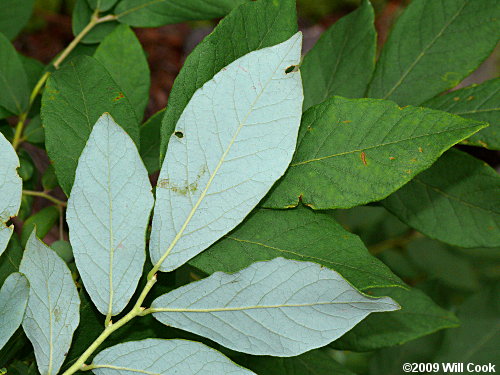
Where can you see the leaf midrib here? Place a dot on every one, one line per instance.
(382, 145)
(258, 307)
(303, 256)
(453, 197)
(125, 369)
(179, 234)
(424, 51)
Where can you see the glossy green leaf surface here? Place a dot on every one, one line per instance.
(108, 213)
(14, 16)
(342, 162)
(279, 307)
(13, 80)
(52, 314)
(314, 362)
(298, 234)
(457, 201)
(82, 12)
(261, 24)
(342, 61)
(477, 102)
(163, 357)
(419, 316)
(433, 46)
(154, 13)
(151, 140)
(122, 55)
(74, 98)
(11, 187)
(13, 300)
(213, 174)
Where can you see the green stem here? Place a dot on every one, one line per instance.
(44, 195)
(137, 310)
(95, 20)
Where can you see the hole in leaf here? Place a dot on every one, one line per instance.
(179, 134)
(290, 69)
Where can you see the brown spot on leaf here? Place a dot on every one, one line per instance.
(363, 158)
(118, 97)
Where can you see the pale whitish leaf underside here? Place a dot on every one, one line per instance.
(13, 300)
(280, 307)
(235, 138)
(53, 311)
(11, 187)
(108, 212)
(162, 357)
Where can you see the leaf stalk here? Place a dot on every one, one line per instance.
(44, 195)
(94, 20)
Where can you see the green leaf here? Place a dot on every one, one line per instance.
(108, 213)
(342, 61)
(260, 24)
(298, 234)
(20, 368)
(476, 340)
(315, 362)
(10, 259)
(102, 5)
(151, 140)
(63, 249)
(342, 162)
(43, 221)
(247, 115)
(433, 46)
(457, 201)
(49, 179)
(389, 361)
(373, 224)
(444, 263)
(13, 301)
(4, 113)
(155, 356)
(75, 97)
(477, 102)
(13, 81)
(419, 316)
(34, 132)
(52, 314)
(14, 16)
(11, 187)
(122, 55)
(26, 168)
(82, 14)
(154, 13)
(33, 68)
(279, 307)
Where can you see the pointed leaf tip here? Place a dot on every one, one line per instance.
(108, 212)
(279, 307)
